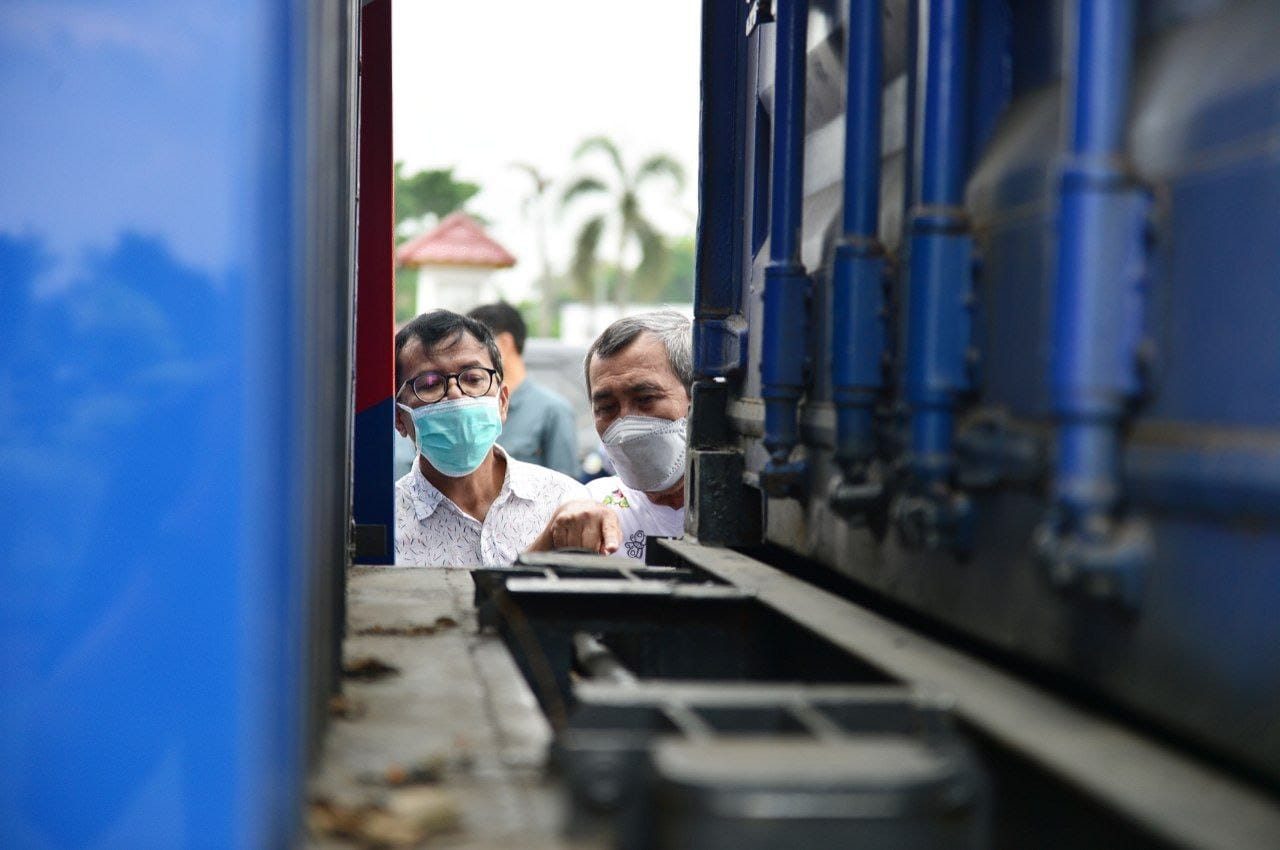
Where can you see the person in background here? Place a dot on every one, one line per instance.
(539, 427)
(466, 501)
(639, 374)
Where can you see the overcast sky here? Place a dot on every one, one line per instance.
(482, 83)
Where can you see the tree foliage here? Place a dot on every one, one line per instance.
(675, 286)
(534, 208)
(430, 192)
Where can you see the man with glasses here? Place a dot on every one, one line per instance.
(465, 501)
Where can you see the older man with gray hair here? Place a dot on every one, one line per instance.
(639, 373)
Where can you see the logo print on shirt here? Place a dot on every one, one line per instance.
(617, 499)
(635, 545)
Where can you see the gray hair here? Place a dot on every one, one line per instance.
(675, 331)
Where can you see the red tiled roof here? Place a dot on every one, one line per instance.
(458, 240)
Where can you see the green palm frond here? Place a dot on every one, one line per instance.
(661, 165)
(541, 182)
(629, 210)
(626, 216)
(655, 260)
(582, 186)
(604, 145)
(583, 266)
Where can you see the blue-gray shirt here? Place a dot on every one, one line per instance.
(539, 429)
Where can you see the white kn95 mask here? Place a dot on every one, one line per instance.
(647, 452)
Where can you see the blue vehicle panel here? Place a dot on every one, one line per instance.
(1080, 466)
(154, 619)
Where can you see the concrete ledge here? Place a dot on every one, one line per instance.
(456, 702)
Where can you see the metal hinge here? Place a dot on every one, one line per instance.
(369, 541)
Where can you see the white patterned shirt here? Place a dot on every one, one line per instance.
(433, 531)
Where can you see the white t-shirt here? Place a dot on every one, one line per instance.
(636, 514)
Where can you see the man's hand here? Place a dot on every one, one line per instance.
(581, 524)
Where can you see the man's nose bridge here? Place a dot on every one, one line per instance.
(453, 386)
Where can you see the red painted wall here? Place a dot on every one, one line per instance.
(375, 297)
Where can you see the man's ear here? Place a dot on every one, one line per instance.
(504, 398)
(401, 428)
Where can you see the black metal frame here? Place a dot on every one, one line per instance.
(700, 623)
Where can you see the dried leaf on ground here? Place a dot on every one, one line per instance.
(405, 818)
(367, 667)
(424, 771)
(420, 630)
(341, 705)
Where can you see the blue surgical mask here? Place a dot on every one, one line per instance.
(455, 435)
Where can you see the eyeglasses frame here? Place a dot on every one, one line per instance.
(454, 376)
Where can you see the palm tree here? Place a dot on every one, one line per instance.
(624, 219)
(535, 207)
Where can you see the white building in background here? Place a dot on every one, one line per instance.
(581, 323)
(455, 264)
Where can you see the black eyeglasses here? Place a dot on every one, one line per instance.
(430, 387)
